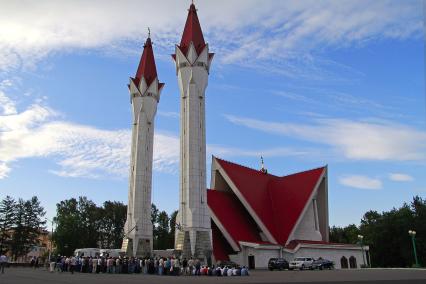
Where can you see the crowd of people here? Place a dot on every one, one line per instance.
(160, 266)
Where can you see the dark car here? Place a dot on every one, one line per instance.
(322, 264)
(227, 263)
(277, 263)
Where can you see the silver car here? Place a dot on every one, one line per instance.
(301, 263)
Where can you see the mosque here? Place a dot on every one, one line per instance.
(248, 215)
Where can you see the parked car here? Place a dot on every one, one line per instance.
(321, 264)
(227, 263)
(277, 263)
(301, 263)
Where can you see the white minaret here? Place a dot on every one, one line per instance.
(145, 92)
(192, 58)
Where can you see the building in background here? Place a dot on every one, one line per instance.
(257, 216)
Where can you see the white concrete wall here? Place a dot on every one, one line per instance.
(261, 256)
(138, 225)
(308, 228)
(192, 72)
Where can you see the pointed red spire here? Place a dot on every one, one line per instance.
(147, 67)
(192, 32)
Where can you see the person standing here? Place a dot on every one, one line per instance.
(191, 265)
(118, 264)
(160, 266)
(94, 264)
(176, 266)
(73, 263)
(184, 266)
(197, 267)
(3, 262)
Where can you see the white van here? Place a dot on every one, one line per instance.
(87, 252)
(111, 253)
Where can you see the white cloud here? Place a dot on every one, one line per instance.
(357, 140)
(284, 31)
(224, 152)
(4, 170)
(7, 106)
(400, 177)
(170, 114)
(362, 182)
(79, 150)
(90, 152)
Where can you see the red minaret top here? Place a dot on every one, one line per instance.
(147, 67)
(192, 32)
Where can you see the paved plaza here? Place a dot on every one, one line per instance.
(41, 276)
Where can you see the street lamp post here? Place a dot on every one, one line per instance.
(51, 239)
(361, 238)
(412, 234)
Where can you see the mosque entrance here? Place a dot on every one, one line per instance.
(251, 263)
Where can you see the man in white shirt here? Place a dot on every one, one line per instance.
(3, 262)
(73, 263)
(94, 264)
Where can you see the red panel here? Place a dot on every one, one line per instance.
(233, 216)
(253, 186)
(221, 248)
(146, 67)
(289, 196)
(192, 32)
(277, 201)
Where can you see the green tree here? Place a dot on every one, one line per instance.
(162, 231)
(67, 233)
(171, 242)
(82, 224)
(418, 206)
(27, 226)
(112, 219)
(348, 234)
(7, 220)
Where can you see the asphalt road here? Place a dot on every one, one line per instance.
(391, 276)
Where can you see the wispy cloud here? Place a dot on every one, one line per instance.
(361, 182)
(86, 151)
(224, 152)
(7, 106)
(400, 177)
(79, 150)
(171, 114)
(357, 140)
(287, 33)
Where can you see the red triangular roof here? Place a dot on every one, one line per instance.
(252, 184)
(221, 248)
(277, 201)
(289, 195)
(233, 216)
(147, 67)
(192, 32)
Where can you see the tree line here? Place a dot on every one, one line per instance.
(80, 223)
(387, 235)
(21, 222)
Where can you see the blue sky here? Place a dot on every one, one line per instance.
(303, 83)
